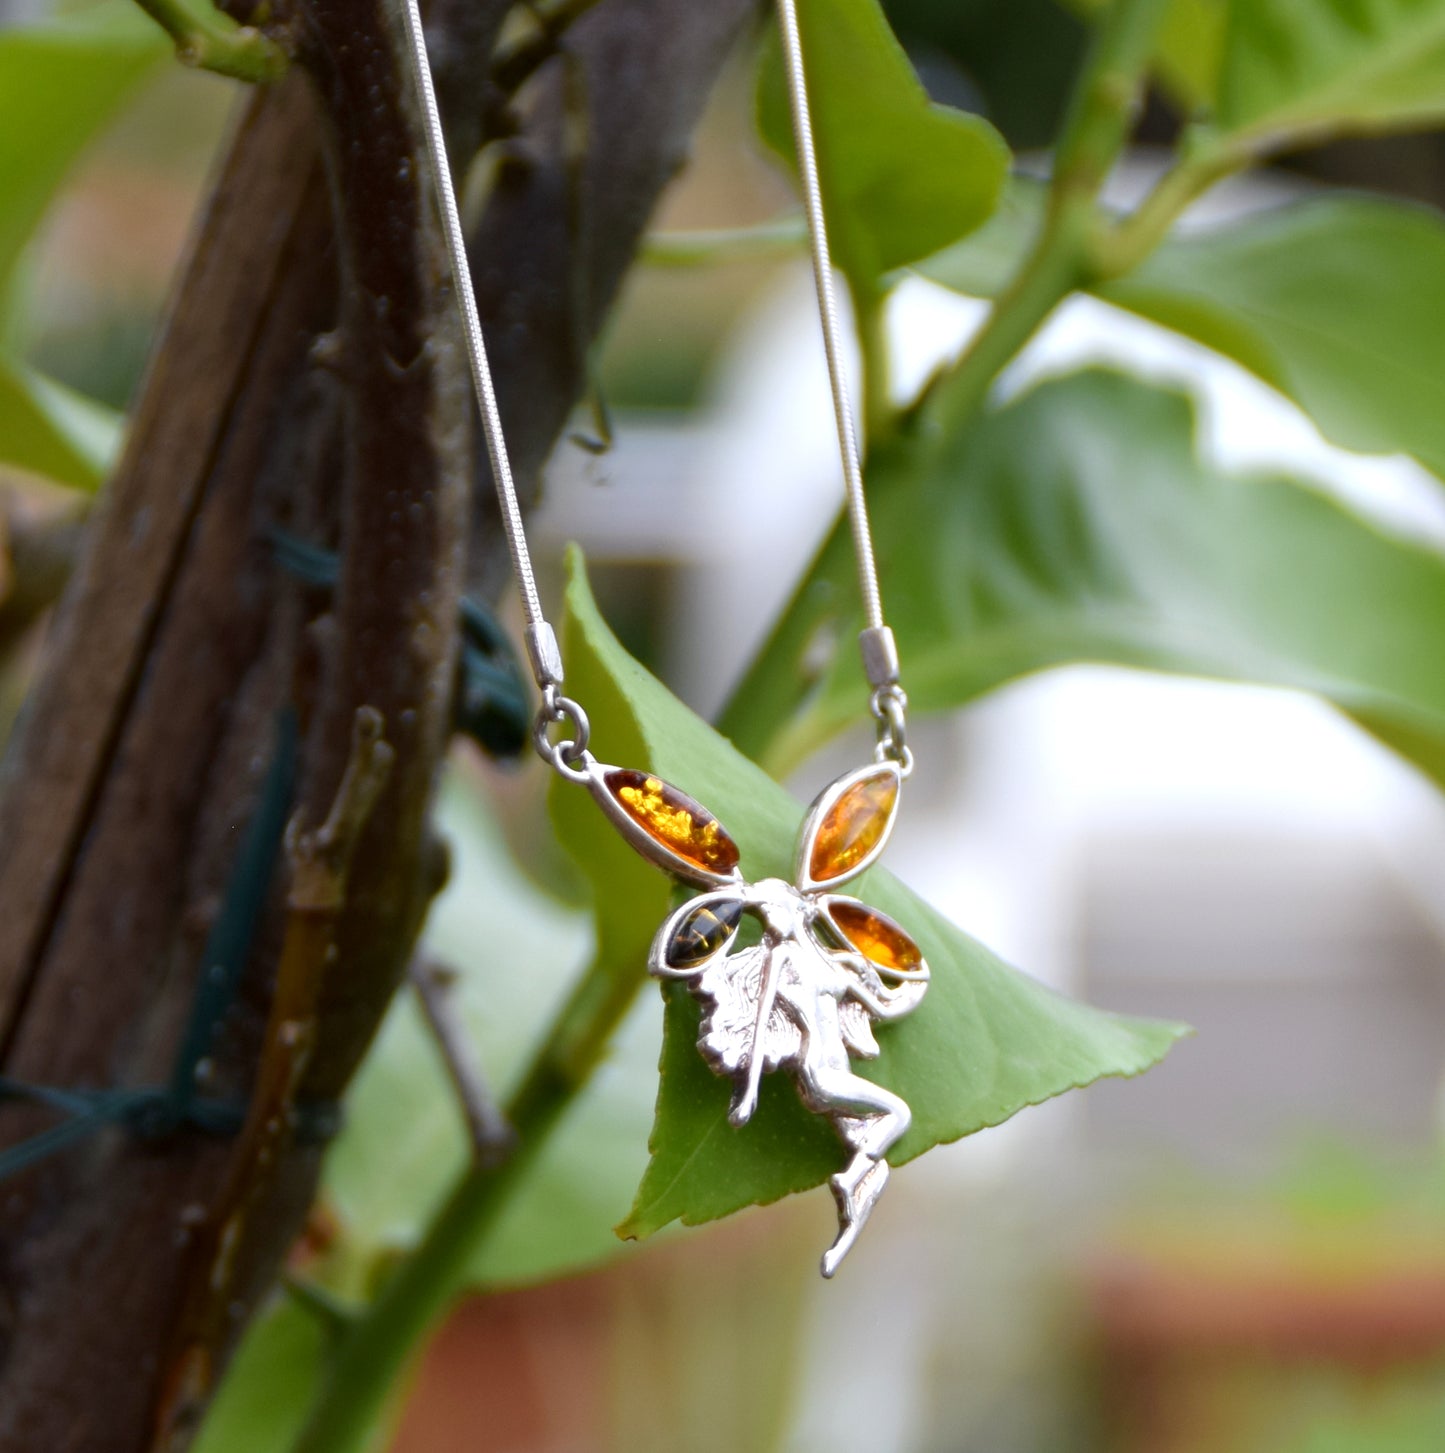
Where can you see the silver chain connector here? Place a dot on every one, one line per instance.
(568, 754)
(889, 705)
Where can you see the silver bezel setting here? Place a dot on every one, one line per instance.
(823, 804)
(657, 964)
(642, 841)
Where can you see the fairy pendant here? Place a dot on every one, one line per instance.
(804, 998)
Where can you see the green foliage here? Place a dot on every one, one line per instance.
(1305, 69)
(1019, 55)
(901, 176)
(1405, 1415)
(515, 952)
(1188, 51)
(1332, 301)
(1077, 524)
(49, 429)
(269, 1384)
(984, 264)
(60, 81)
(988, 1042)
(1320, 67)
(991, 1042)
(1074, 524)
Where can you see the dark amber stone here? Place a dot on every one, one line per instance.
(876, 937)
(852, 828)
(703, 932)
(681, 825)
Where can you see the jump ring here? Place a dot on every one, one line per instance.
(568, 755)
(889, 705)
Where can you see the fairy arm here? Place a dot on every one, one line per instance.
(868, 989)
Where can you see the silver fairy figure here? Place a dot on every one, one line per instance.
(805, 996)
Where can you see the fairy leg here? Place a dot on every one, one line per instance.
(872, 1120)
(885, 1118)
(856, 1196)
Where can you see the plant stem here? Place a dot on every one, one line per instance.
(880, 415)
(209, 44)
(1202, 163)
(1095, 131)
(764, 241)
(377, 1348)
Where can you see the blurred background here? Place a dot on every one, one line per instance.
(1243, 1252)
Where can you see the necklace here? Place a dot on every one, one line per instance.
(826, 966)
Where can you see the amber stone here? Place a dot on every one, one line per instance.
(681, 825)
(876, 937)
(703, 932)
(853, 827)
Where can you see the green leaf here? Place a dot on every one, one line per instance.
(983, 264)
(1323, 67)
(267, 1390)
(986, 1042)
(46, 428)
(1332, 302)
(1077, 525)
(901, 176)
(60, 81)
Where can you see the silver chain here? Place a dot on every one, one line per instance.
(828, 311)
(569, 754)
(880, 655)
(472, 324)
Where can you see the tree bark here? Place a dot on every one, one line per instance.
(308, 377)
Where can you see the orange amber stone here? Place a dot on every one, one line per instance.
(876, 937)
(853, 826)
(681, 825)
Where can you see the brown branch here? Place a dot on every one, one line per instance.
(179, 640)
(320, 863)
(145, 745)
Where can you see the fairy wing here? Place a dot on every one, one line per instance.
(857, 1027)
(876, 953)
(731, 990)
(847, 826)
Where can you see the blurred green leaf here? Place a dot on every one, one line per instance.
(983, 264)
(516, 952)
(1333, 302)
(901, 176)
(1322, 67)
(265, 1395)
(60, 81)
(1189, 51)
(986, 1042)
(1011, 60)
(48, 429)
(1076, 524)
(1403, 1413)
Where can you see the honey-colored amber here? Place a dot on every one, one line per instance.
(671, 817)
(853, 826)
(703, 932)
(876, 937)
